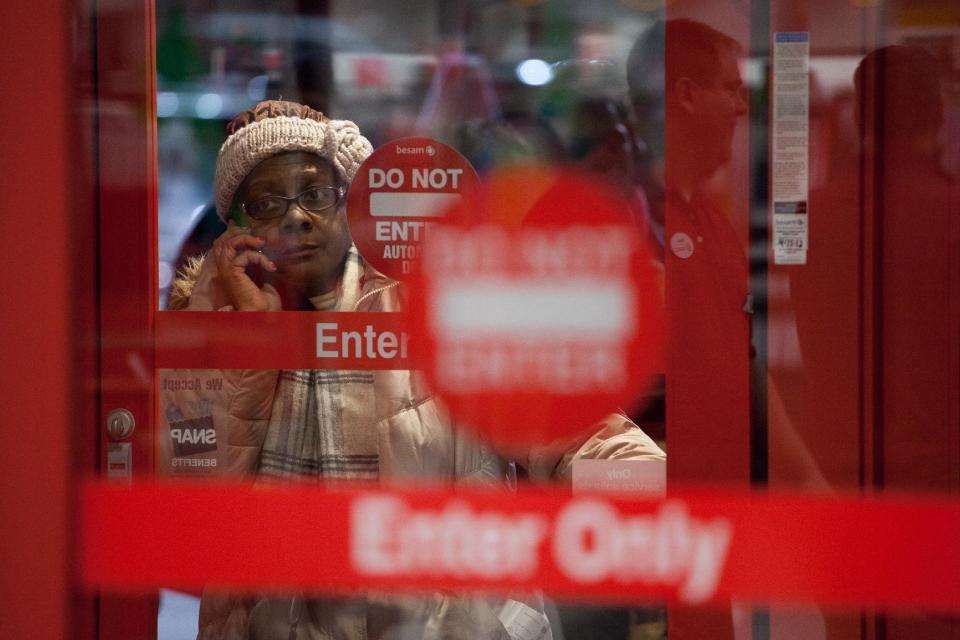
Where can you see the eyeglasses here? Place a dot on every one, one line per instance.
(314, 199)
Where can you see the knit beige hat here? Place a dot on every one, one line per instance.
(274, 127)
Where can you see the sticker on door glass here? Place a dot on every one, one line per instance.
(790, 129)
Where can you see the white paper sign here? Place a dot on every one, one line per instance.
(620, 476)
(791, 121)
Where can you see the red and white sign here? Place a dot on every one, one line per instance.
(537, 309)
(638, 477)
(264, 340)
(692, 547)
(398, 194)
(587, 541)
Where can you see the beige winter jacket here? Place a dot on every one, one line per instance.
(413, 438)
(213, 422)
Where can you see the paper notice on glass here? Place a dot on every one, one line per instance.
(620, 476)
(791, 121)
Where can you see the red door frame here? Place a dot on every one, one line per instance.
(128, 206)
(127, 192)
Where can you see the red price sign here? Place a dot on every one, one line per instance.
(398, 194)
(537, 308)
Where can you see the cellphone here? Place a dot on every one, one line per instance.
(257, 273)
(238, 216)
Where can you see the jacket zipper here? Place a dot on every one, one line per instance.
(372, 293)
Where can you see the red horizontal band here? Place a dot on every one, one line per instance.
(694, 547)
(284, 340)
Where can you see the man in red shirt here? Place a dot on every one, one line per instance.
(708, 363)
(708, 339)
(708, 327)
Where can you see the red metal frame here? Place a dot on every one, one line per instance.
(127, 191)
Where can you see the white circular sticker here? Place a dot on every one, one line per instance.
(681, 245)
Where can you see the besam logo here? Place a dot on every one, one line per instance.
(193, 436)
(414, 151)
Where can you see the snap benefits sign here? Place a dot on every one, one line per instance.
(537, 308)
(398, 195)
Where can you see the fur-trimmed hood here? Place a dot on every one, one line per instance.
(182, 287)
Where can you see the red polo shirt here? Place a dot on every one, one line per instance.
(708, 345)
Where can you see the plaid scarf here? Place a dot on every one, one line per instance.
(322, 422)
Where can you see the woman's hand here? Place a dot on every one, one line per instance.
(234, 252)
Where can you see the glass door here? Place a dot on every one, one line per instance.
(790, 170)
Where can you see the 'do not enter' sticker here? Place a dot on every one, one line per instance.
(536, 307)
(398, 194)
